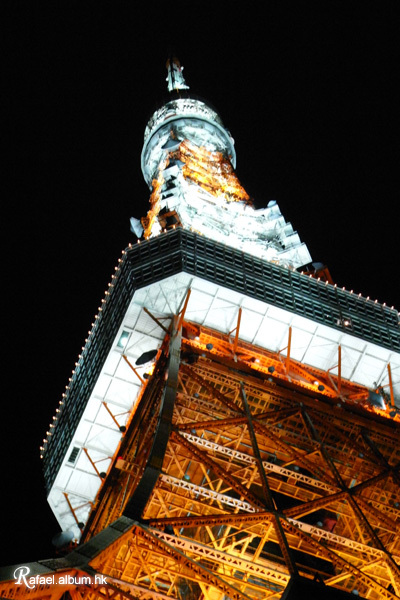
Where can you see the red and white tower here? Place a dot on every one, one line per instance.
(231, 427)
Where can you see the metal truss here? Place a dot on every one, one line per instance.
(329, 508)
(224, 558)
(257, 478)
(331, 475)
(198, 490)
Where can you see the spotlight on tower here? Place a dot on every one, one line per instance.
(146, 357)
(377, 400)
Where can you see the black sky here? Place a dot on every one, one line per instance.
(306, 89)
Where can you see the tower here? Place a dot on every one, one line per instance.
(230, 428)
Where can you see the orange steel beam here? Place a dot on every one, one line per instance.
(332, 428)
(92, 463)
(156, 320)
(71, 509)
(390, 385)
(222, 474)
(200, 520)
(287, 348)
(335, 558)
(355, 505)
(377, 515)
(309, 507)
(201, 571)
(110, 413)
(236, 329)
(183, 311)
(324, 501)
(296, 457)
(261, 359)
(204, 424)
(187, 369)
(391, 469)
(295, 368)
(133, 368)
(258, 359)
(256, 451)
(272, 416)
(287, 364)
(257, 455)
(113, 591)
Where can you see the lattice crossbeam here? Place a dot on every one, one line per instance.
(208, 503)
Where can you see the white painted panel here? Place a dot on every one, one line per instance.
(250, 323)
(63, 476)
(205, 287)
(83, 428)
(84, 483)
(101, 440)
(321, 353)
(130, 318)
(198, 306)
(353, 343)
(369, 370)
(304, 324)
(122, 394)
(333, 335)
(300, 342)
(278, 314)
(102, 385)
(111, 363)
(271, 334)
(254, 305)
(222, 315)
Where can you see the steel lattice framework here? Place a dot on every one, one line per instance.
(230, 481)
(259, 481)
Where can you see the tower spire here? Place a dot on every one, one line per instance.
(188, 161)
(175, 78)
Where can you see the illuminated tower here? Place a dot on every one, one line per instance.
(231, 428)
(188, 161)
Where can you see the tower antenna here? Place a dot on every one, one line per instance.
(175, 78)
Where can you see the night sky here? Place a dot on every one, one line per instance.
(307, 92)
